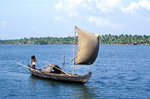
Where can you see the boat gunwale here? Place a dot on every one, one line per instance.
(57, 74)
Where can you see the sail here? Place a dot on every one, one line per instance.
(88, 47)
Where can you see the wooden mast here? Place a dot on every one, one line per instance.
(74, 50)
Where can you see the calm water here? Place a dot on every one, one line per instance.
(120, 71)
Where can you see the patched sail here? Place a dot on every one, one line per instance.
(88, 47)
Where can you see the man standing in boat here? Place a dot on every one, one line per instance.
(33, 61)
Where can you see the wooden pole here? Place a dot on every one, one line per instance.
(63, 60)
(74, 50)
(22, 65)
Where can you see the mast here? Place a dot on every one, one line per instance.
(74, 50)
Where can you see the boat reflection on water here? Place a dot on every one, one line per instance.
(55, 89)
(82, 92)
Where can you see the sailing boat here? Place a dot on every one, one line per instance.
(88, 47)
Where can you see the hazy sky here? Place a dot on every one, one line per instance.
(57, 18)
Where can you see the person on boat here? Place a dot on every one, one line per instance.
(33, 61)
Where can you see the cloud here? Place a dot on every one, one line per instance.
(102, 6)
(58, 18)
(84, 8)
(144, 4)
(59, 5)
(102, 22)
(136, 6)
(68, 5)
(104, 13)
(107, 5)
(131, 8)
(74, 7)
(3, 23)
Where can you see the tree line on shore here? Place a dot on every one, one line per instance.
(104, 39)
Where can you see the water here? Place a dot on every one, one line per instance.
(120, 71)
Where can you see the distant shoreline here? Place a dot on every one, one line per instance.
(72, 44)
(104, 39)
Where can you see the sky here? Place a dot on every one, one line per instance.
(57, 18)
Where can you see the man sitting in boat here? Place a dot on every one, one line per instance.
(33, 61)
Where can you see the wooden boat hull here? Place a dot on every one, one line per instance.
(61, 77)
